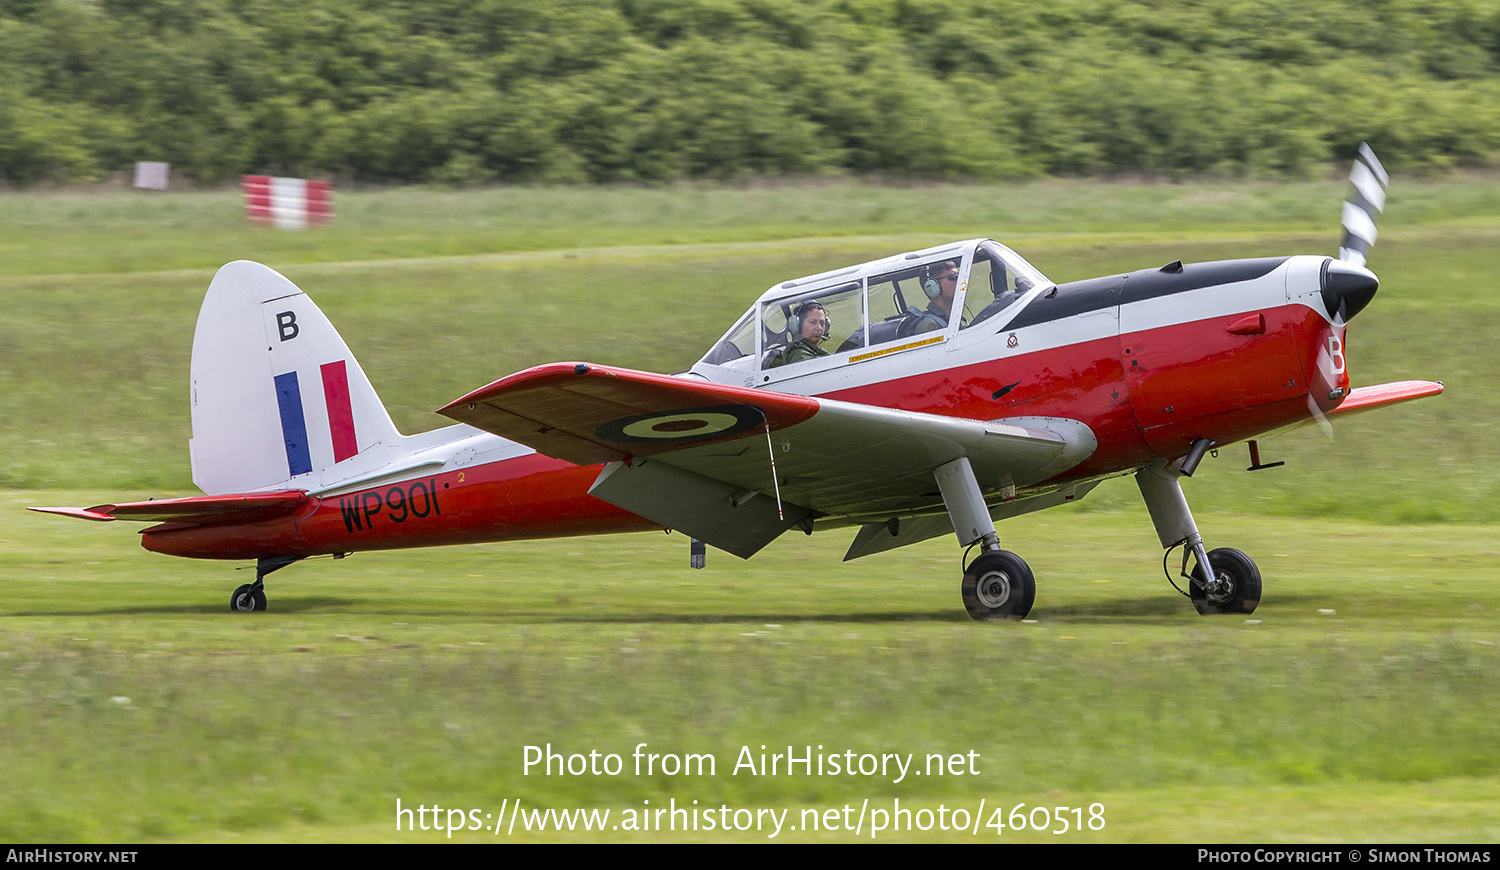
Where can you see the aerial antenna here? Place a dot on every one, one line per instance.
(774, 482)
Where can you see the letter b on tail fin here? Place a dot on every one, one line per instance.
(276, 394)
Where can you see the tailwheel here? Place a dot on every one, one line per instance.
(248, 598)
(999, 585)
(1235, 587)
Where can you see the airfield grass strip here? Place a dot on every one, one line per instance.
(232, 742)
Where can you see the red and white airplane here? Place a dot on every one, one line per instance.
(836, 401)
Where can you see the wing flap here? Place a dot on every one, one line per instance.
(709, 510)
(904, 531)
(194, 510)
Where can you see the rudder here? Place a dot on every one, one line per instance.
(276, 394)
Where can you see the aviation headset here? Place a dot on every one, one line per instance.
(794, 323)
(930, 284)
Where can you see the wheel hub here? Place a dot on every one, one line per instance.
(993, 589)
(1221, 588)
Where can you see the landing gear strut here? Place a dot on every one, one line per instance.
(251, 597)
(1235, 584)
(997, 584)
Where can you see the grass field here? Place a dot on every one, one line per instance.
(1358, 704)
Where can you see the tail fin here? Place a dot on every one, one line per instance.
(276, 393)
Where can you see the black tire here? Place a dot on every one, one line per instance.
(999, 585)
(1241, 592)
(248, 599)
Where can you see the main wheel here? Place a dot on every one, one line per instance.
(248, 599)
(999, 585)
(1236, 588)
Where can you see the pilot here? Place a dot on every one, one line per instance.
(812, 325)
(940, 283)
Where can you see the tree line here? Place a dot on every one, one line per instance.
(469, 91)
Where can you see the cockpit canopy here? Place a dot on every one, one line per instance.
(880, 307)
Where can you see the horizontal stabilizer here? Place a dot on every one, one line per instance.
(196, 510)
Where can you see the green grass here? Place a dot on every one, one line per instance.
(422, 675)
(1358, 704)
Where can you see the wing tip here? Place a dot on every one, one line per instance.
(547, 370)
(1384, 395)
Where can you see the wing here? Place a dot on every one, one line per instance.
(196, 510)
(587, 414)
(1369, 398)
(699, 457)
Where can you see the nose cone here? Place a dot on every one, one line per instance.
(1347, 289)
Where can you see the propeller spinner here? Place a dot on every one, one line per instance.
(1347, 289)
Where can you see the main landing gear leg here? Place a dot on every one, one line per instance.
(997, 584)
(1234, 586)
(251, 597)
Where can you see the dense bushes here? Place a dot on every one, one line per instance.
(470, 90)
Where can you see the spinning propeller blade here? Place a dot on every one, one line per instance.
(1348, 286)
(1319, 417)
(1370, 182)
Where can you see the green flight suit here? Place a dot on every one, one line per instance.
(800, 350)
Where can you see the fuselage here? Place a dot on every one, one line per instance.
(1150, 361)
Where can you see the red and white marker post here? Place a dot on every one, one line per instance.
(287, 203)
